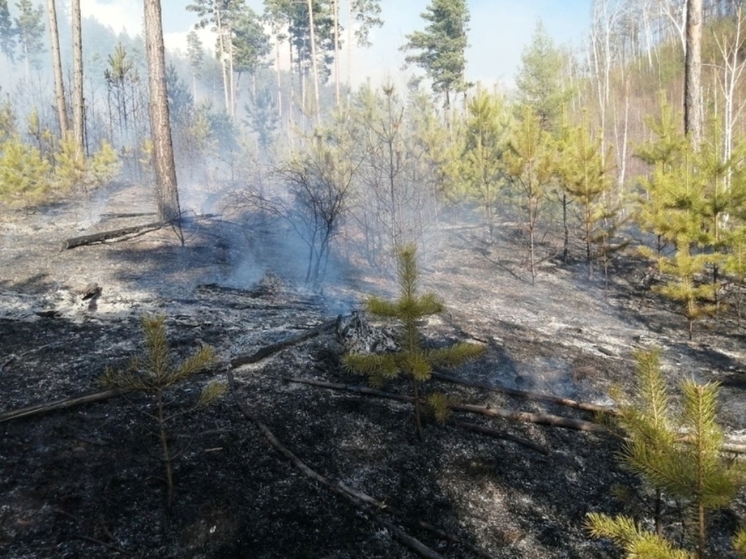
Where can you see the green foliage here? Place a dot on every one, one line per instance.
(7, 120)
(442, 45)
(367, 15)
(154, 373)
(685, 199)
(586, 179)
(689, 467)
(478, 169)
(7, 32)
(195, 52)
(636, 542)
(411, 359)
(251, 44)
(29, 27)
(24, 173)
(540, 80)
(530, 167)
(73, 169)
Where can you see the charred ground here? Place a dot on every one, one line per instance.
(87, 482)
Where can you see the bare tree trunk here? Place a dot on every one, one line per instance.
(336, 51)
(59, 86)
(279, 75)
(221, 44)
(160, 126)
(78, 103)
(314, 65)
(349, 50)
(693, 71)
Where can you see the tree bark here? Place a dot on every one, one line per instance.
(78, 102)
(93, 238)
(314, 65)
(59, 87)
(335, 7)
(160, 126)
(693, 72)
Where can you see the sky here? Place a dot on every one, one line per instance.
(499, 32)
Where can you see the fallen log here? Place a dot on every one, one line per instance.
(271, 349)
(540, 419)
(60, 404)
(355, 497)
(524, 395)
(93, 238)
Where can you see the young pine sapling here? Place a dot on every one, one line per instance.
(412, 359)
(155, 373)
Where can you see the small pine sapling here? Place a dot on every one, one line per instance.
(154, 373)
(689, 467)
(411, 359)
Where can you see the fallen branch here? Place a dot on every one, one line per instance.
(524, 395)
(266, 351)
(358, 499)
(59, 404)
(113, 234)
(7, 362)
(540, 419)
(262, 353)
(503, 435)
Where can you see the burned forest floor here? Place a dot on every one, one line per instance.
(87, 481)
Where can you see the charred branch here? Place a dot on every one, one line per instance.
(525, 417)
(524, 395)
(357, 498)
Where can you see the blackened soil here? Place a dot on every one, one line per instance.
(88, 481)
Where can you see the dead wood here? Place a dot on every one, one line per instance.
(271, 349)
(503, 435)
(64, 403)
(540, 419)
(93, 238)
(60, 404)
(524, 395)
(356, 498)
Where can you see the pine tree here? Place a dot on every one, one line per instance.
(683, 207)
(540, 82)
(30, 30)
(530, 167)
(8, 33)
(689, 467)
(24, 173)
(479, 166)
(195, 54)
(412, 359)
(442, 47)
(155, 374)
(587, 181)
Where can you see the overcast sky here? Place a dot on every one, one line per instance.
(499, 31)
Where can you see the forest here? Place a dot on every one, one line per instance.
(249, 309)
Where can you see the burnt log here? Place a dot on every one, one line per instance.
(103, 236)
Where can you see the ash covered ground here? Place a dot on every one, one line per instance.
(87, 481)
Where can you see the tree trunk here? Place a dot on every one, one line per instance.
(160, 126)
(78, 103)
(221, 43)
(335, 6)
(59, 87)
(692, 72)
(314, 65)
